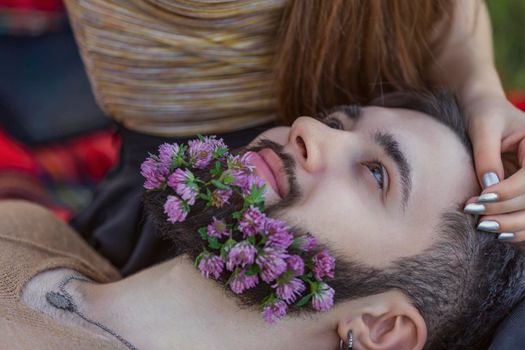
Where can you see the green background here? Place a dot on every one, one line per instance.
(508, 26)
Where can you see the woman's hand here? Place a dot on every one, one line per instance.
(497, 132)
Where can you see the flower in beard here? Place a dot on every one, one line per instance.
(154, 172)
(200, 152)
(289, 291)
(295, 264)
(211, 265)
(306, 242)
(167, 152)
(250, 183)
(175, 209)
(220, 197)
(272, 262)
(240, 282)
(252, 221)
(264, 254)
(275, 311)
(240, 162)
(278, 234)
(241, 254)
(218, 228)
(219, 148)
(183, 183)
(239, 177)
(324, 265)
(323, 298)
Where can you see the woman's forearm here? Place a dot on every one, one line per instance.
(466, 61)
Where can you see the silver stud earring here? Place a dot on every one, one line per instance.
(350, 342)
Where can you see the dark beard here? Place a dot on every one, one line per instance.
(186, 240)
(184, 236)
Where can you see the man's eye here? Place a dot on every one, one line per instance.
(334, 123)
(378, 171)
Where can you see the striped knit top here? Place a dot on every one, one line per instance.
(180, 67)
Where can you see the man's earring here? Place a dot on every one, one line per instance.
(350, 342)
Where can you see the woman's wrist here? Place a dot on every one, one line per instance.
(484, 84)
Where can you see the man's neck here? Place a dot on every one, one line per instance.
(170, 306)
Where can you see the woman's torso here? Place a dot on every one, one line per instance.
(180, 68)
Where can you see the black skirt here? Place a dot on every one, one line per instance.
(115, 223)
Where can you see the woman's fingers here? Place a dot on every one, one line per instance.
(514, 185)
(510, 223)
(509, 188)
(507, 227)
(486, 142)
(494, 208)
(496, 128)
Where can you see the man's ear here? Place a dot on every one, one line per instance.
(386, 321)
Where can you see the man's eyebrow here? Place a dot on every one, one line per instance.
(391, 148)
(353, 112)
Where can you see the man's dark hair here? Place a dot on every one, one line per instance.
(463, 285)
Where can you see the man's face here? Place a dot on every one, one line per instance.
(372, 184)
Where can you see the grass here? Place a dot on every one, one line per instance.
(508, 26)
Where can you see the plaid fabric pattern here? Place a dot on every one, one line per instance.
(31, 17)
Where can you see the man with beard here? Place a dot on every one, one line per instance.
(380, 188)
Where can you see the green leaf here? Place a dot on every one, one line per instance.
(251, 239)
(226, 247)
(305, 279)
(219, 152)
(236, 215)
(224, 252)
(213, 243)
(199, 258)
(286, 277)
(203, 232)
(233, 275)
(204, 196)
(304, 300)
(252, 270)
(191, 178)
(269, 299)
(228, 178)
(295, 244)
(216, 170)
(219, 185)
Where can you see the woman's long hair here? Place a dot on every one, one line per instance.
(334, 52)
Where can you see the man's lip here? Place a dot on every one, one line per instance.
(275, 163)
(265, 171)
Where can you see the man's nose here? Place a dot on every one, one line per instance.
(309, 138)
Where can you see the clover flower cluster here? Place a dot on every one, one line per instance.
(249, 248)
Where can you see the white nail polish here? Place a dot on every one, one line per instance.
(506, 236)
(474, 208)
(488, 225)
(488, 197)
(489, 179)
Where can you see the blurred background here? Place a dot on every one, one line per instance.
(508, 18)
(52, 129)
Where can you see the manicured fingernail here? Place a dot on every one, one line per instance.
(506, 236)
(489, 179)
(474, 208)
(488, 225)
(488, 197)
